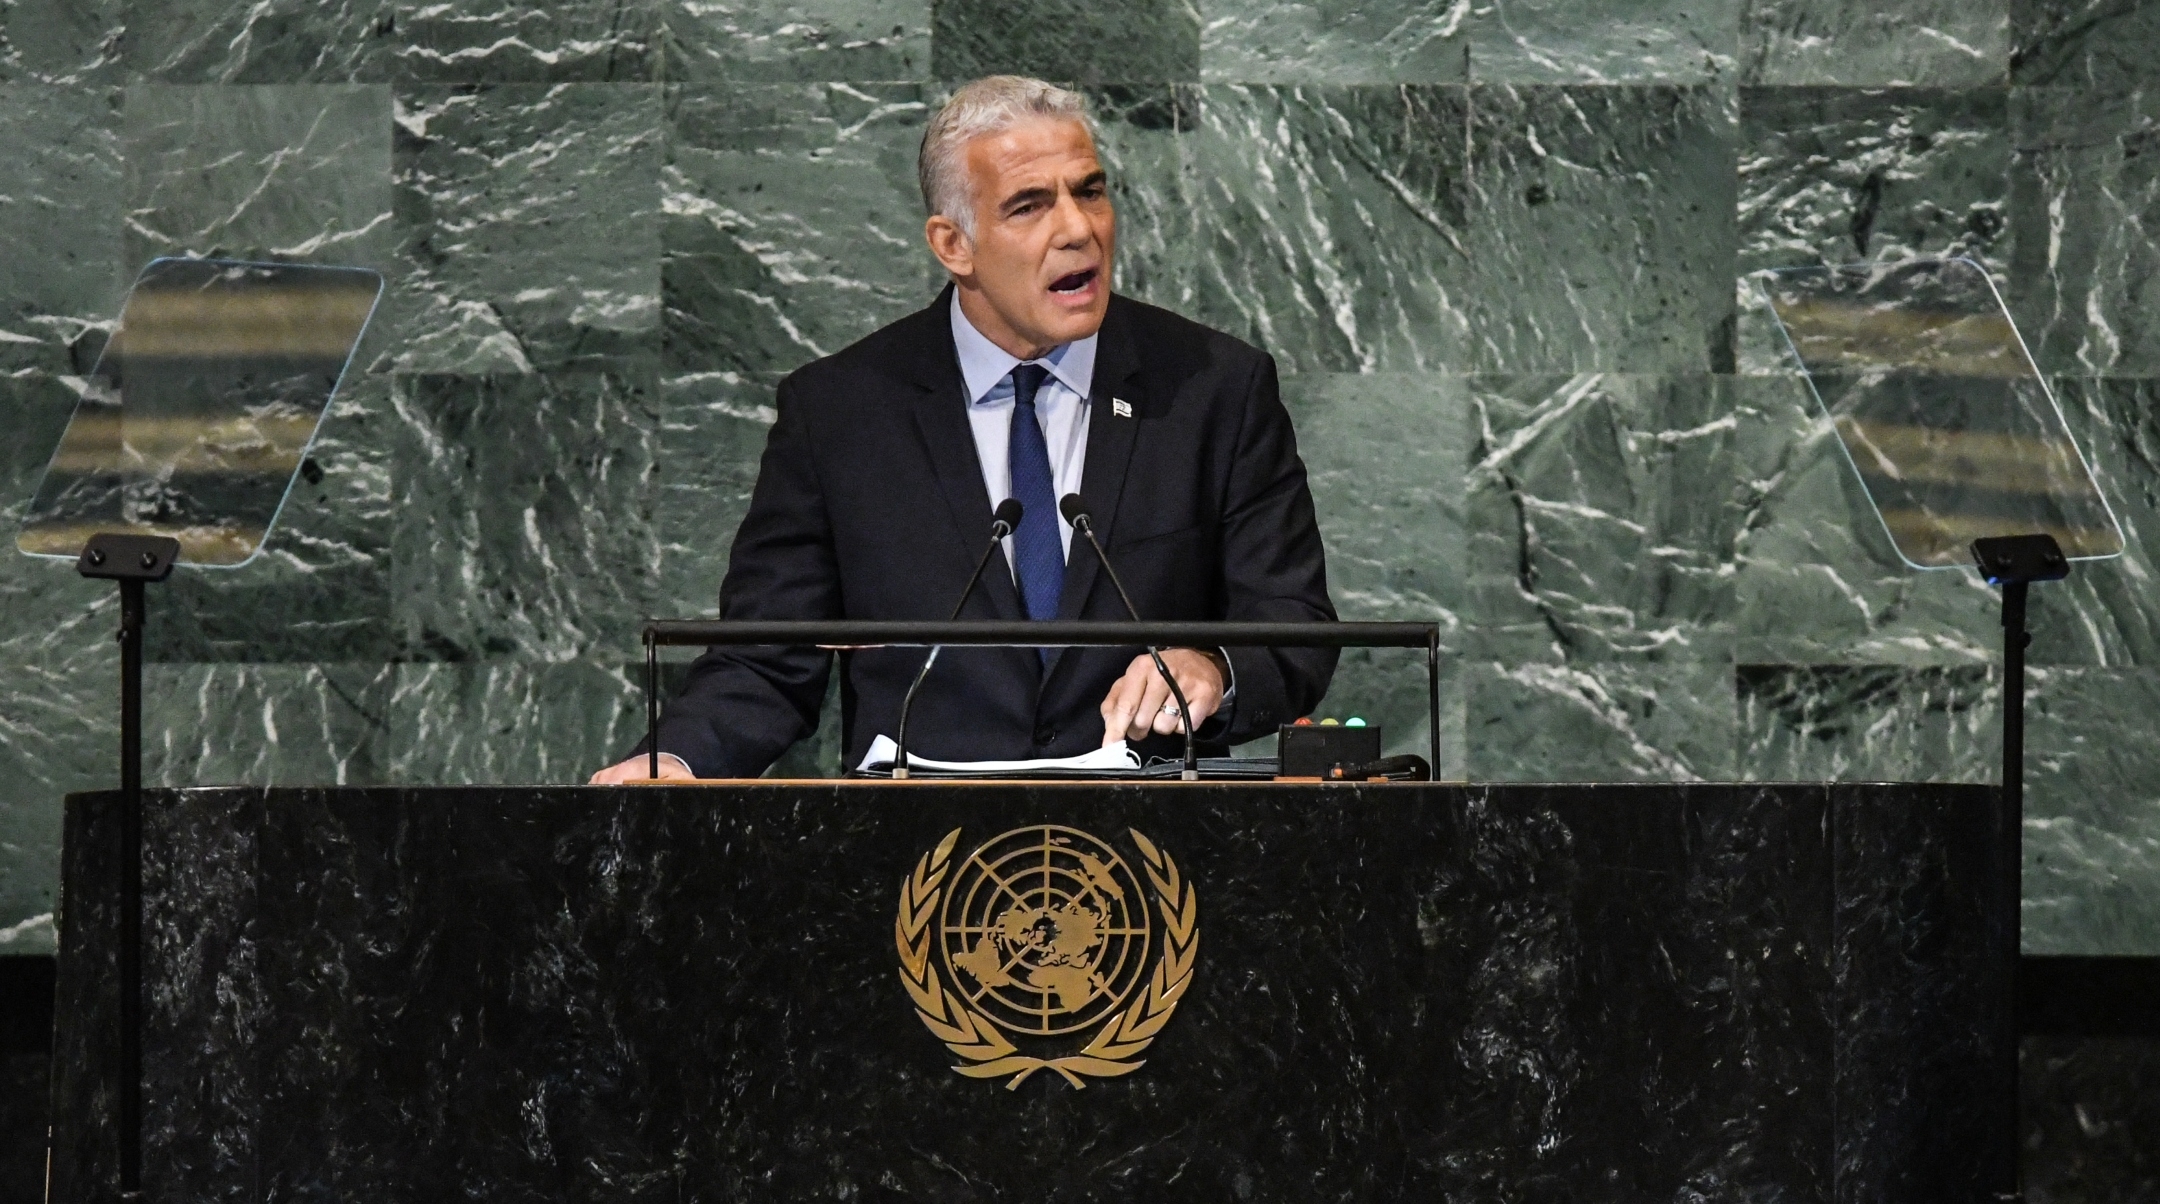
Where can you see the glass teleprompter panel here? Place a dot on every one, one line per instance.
(1955, 434)
(201, 408)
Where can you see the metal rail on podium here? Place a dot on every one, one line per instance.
(852, 635)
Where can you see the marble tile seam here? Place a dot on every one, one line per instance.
(664, 46)
(148, 85)
(664, 59)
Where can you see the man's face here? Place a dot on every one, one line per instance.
(1037, 271)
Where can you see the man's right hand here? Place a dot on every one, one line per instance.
(638, 769)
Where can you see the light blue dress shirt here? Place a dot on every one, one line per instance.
(1061, 406)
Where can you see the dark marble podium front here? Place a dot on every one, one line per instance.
(1403, 992)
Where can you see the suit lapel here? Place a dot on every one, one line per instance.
(949, 441)
(1111, 439)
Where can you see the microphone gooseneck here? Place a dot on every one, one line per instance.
(1075, 512)
(1001, 525)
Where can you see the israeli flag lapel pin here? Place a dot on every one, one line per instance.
(1121, 407)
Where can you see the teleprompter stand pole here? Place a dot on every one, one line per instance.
(133, 561)
(1432, 700)
(652, 706)
(2013, 562)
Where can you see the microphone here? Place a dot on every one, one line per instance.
(1075, 512)
(1001, 525)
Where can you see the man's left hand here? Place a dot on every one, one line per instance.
(1140, 702)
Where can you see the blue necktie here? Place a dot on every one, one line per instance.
(1038, 554)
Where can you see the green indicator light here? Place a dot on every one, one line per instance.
(1353, 721)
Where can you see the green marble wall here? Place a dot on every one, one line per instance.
(1496, 248)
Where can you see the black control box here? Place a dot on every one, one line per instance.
(1309, 750)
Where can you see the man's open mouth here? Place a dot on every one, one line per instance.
(1073, 282)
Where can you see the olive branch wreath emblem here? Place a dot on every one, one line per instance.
(985, 1053)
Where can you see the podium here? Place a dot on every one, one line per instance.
(1392, 992)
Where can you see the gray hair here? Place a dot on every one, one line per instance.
(985, 106)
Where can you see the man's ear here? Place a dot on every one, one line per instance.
(950, 244)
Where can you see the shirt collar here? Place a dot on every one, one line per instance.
(984, 365)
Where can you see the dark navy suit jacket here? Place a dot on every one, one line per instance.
(870, 505)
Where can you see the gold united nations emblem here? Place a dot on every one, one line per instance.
(1040, 951)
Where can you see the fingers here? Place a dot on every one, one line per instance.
(1152, 716)
(1197, 677)
(1167, 720)
(637, 769)
(671, 768)
(1129, 709)
(1140, 702)
(1123, 704)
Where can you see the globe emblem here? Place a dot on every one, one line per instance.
(1044, 930)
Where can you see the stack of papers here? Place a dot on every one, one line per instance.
(1110, 757)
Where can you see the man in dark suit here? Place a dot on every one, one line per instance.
(1028, 379)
